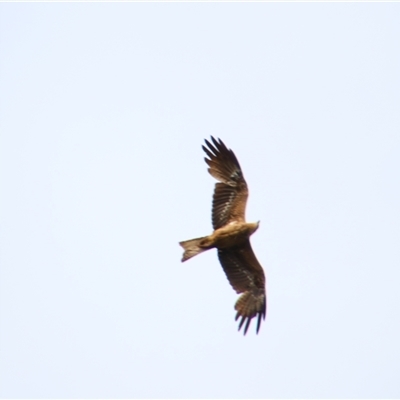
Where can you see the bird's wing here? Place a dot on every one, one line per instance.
(246, 276)
(230, 194)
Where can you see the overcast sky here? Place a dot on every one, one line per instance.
(103, 111)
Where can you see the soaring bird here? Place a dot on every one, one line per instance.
(231, 236)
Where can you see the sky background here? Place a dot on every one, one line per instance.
(103, 111)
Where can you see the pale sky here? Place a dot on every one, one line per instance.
(103, 111)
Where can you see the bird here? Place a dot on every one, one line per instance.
(231, 235)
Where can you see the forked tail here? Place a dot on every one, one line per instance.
(192, 248)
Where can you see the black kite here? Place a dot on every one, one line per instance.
(231, 234)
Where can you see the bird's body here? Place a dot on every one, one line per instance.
(231, 234)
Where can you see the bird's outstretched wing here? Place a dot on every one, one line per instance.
(230, 194)
(246, 276)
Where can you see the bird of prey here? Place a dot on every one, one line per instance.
(231, 235)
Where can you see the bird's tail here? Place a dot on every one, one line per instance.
(192, 247)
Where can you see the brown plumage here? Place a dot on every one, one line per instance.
(231, 235)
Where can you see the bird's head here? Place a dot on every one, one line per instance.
(255, 226)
